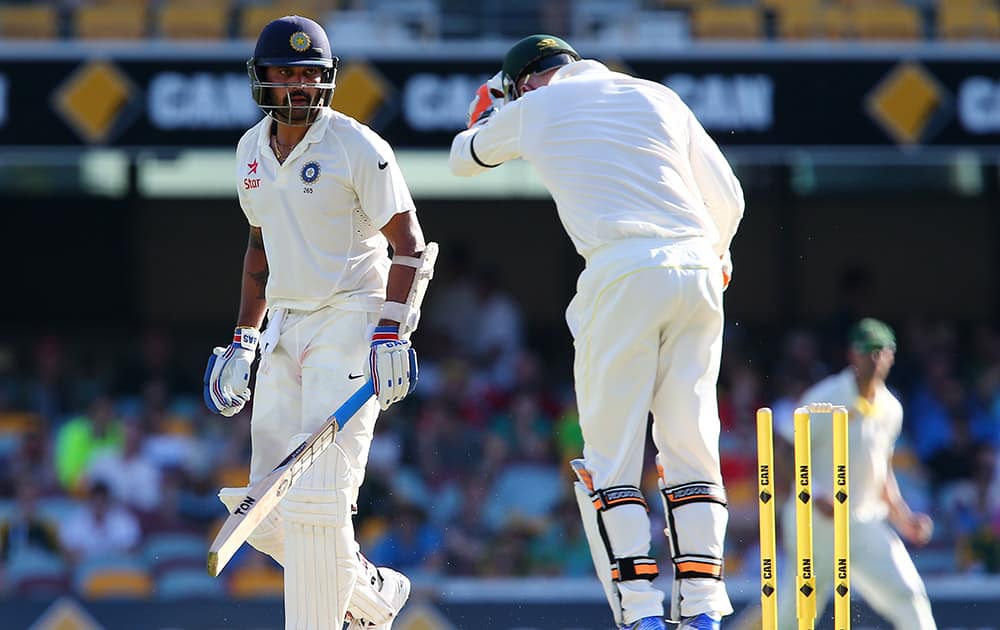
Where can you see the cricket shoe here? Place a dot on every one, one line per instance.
(647, 623)
(704, 621)
(394, 592)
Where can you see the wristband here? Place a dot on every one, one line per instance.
(385, 333)
(246, 337)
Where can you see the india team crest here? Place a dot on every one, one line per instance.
(299, 41)
(310, 172)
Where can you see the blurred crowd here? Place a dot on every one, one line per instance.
(651, 23)
(109, 462)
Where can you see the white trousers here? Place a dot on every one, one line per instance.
(648, 338)
(300, 382)
(881, 569)
(304, 379)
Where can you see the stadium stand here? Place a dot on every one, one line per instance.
(814, 22)
(727, 22)
(590, 16)
(35, 574)
(783, 5)
(113, 577)
(253, 17)
(630, 21)
(683, 4)
(29, 22)
(117, 584)
(182, 19)
(119, 22)
(979, 20)
(887, 22)
(232, 477)
(253, 581)
(167, 551)
(189, 583)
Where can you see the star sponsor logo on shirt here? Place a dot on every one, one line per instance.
(250, 183)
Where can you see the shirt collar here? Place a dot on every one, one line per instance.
(315, 132)
(584, 66)
(863, 405)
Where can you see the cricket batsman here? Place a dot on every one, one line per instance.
(325, 199)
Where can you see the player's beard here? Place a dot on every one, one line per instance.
(295, 107)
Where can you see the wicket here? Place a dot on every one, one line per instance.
(805, 579)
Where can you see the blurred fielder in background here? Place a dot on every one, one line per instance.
(880, 565)
(324, 198)
(652, 205)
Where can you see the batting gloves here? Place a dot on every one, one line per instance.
(227, 377)
(392, 364)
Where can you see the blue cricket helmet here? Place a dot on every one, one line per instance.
(292, 41)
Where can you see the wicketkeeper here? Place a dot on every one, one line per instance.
(651, 205)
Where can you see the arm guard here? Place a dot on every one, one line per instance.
(408, 313)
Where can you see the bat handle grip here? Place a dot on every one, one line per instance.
(353, 404)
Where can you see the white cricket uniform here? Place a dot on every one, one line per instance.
(320, 215)
(881, 568)
(651, 204)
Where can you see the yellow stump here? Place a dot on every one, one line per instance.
(765, 505)
(805, 580)
(841, 527)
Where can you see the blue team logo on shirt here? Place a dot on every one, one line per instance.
(310, 172)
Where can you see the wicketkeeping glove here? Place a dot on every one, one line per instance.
(727, 269)
(392, 365)
(488, 99)
(227, 377)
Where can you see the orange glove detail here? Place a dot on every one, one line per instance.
(481, 104)
(488, 98)
(727, 270)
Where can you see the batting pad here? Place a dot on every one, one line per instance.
(269, 536)
(321, 566)
(696, 527)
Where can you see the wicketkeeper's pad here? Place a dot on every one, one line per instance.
(614, 519)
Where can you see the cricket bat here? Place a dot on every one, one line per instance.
(263, 496)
